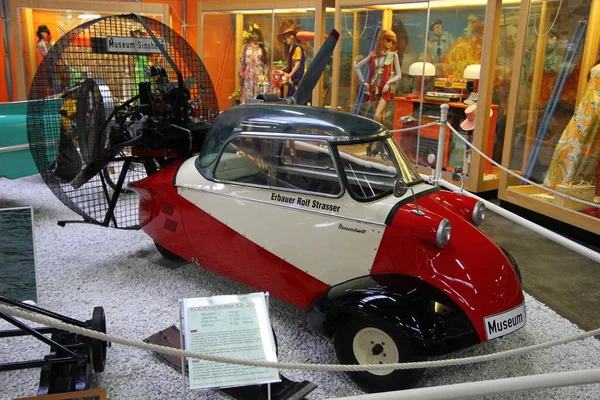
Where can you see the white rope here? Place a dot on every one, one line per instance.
(296, 366)
(535, 29)
(364, 27)
(413, 128)
(537, 185)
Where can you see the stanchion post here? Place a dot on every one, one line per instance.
(440, 150)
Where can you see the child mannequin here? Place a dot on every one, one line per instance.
(384, 71)
(295, 58)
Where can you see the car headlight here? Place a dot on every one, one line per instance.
(444, 231)
(478, 213)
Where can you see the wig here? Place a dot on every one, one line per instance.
(384, 36)
(40, 29)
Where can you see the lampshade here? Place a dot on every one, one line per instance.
(421, 69)
(472, 71)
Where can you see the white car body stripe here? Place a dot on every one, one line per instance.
(338, 237)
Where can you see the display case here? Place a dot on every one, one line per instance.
(553, 137)
(245, 46)
(450, 52)
(59, 18)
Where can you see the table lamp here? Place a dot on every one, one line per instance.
(421, 69)
(472, 72)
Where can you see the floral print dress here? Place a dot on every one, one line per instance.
(251, 69)
(577, 153)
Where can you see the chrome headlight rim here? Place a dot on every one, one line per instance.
(478, 214)
(444, 231)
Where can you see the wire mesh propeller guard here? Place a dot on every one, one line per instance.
(105, 90)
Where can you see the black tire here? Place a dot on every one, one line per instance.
(99, 347)
(364, 329)
(167, 254)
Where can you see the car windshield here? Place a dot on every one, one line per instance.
(371, 168)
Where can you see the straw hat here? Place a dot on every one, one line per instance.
(469, 123)
(281, 36)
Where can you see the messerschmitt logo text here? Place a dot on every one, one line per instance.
(299, 201)
(124, 44)
(346, 228)
(503, 325)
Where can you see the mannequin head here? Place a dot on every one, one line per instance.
(43, 33)
(511, 38)
(386, 41)
(253, 34)
(471, 21)
(552, 40)
(437, 27)
(257, 35)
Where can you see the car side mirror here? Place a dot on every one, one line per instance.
(400, 188)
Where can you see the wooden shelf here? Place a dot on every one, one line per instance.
(524, 196)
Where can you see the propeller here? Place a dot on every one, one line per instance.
(316, 68)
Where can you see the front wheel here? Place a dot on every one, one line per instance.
(375, 341)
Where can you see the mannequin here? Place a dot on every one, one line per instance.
(466, 50)
(57, 72)
(296, 58)
(440, 41)
(45, 41)
(254, 63)
(577, 153)
(384, 71)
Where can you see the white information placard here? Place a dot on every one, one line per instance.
(231, 326)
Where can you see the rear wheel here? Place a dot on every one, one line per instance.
(374, 341)
(169, 255)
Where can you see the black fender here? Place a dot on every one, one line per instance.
(514, 263)
(427, 316)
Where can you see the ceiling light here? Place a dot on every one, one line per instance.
(88, 16)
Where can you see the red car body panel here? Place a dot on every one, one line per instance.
(194, 235)
(471, 269)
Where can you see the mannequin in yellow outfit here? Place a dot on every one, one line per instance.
(577, 153)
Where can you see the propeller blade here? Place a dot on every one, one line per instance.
(94, 167)
(314, 71)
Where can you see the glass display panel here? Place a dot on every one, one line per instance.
(556, 141)
(220, 59)
(441, 42)
(358, 30)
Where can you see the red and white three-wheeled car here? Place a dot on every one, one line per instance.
(312, 206)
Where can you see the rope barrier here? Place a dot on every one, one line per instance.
(414, 128)
(578, 200)
(16, 312)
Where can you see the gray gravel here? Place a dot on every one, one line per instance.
(82, 266)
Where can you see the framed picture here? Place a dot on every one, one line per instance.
(17, 254)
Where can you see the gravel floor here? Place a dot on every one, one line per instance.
(83, 266)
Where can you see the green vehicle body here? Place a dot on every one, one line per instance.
(16, 160)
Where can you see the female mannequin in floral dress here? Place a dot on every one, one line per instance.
(254, 63)
(384, 71)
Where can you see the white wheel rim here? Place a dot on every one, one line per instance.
(374, 346)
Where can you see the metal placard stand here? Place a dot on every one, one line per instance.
(232, 326)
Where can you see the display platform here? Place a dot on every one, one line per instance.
(80, 266)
